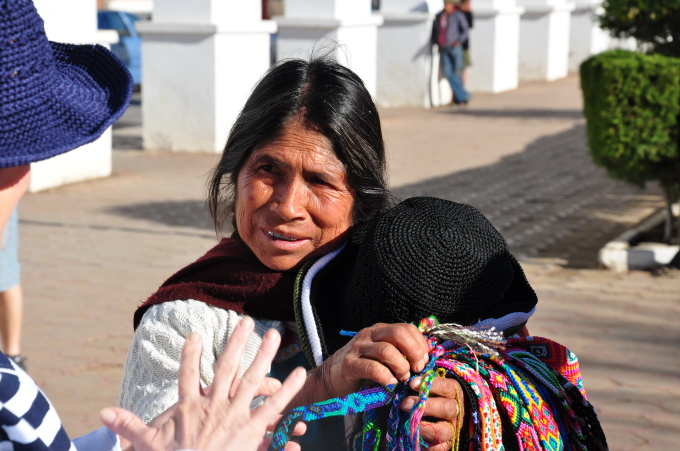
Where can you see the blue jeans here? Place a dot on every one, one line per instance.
(452, 63)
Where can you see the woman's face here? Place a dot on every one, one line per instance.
(292, 199)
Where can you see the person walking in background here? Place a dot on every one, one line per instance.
(13, 183)
(467, 61)
(11, 296)
(449, 31)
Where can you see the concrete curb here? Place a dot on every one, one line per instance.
(621, 256)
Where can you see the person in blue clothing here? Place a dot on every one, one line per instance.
(11, 293)
(449, 32)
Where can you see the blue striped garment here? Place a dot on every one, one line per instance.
(28, 421)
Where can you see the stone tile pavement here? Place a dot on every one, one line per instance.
(92, 251)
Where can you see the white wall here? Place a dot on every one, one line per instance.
(347, 28)
(338, 9)
(587, 38)
(201, 61)
(404, 60)
(494, 46)
(544, 39)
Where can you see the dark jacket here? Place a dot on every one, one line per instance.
(460, 32)
(468, 16)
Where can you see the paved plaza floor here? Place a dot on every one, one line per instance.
(92, 251)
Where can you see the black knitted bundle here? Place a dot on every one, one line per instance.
(430, 256)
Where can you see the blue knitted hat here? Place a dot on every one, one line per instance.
(53, 97)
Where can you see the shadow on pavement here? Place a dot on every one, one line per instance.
(549, 201)
(516, 113)
(184, 213)
(118, 228)
(131, 142)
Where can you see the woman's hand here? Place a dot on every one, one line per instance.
(444, 408)
(218, 418)
(383, 353)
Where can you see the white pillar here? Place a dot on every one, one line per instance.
(494, 46)
(544, 39)
(345, 27)
(200, 61)
(404, 56)
(74, 22)
(586, 38)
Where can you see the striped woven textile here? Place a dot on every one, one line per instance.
(523, 394)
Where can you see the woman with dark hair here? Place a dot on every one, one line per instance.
(325, 97)
(304, 162)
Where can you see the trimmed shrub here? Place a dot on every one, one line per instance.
(632, 110)
(654, 22)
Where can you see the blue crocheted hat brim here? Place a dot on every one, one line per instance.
(53, 97)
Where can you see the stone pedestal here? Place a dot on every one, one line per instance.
(140, 7)
(494, 46)
(544, 39)
(201, 60)
(404, 56)
(345, 29)
(586, 38)
(75, 22)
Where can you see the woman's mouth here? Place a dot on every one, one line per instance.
(281, 237)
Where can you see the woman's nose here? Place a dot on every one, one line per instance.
(292, 200)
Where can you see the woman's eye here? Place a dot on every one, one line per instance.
(267, 167)
(320, 181)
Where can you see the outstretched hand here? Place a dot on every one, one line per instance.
(220, 417)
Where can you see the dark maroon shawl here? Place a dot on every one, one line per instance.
(231, 277)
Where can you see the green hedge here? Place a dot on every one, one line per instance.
(632, 110)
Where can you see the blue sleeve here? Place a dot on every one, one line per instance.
(463, 27)
(101, 439)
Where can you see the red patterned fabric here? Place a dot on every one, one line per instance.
(442, 30)
(554, 355)
(231, 277)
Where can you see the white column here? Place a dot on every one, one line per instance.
(586, 38)
(494, 46)
(200, 60)
(404, 57)
(74, 22)
(346, 28)
(544, 39)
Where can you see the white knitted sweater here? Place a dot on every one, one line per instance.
(149, 385)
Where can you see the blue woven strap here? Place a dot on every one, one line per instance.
(351, 404)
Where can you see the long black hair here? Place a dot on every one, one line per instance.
(330, 99)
